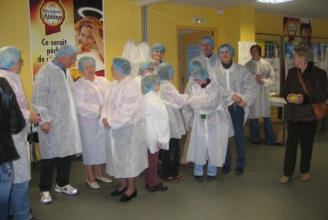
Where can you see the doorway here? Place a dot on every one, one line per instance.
(189, 47)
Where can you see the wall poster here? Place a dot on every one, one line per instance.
(57, 22)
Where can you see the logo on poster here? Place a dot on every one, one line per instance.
(291, 28)
(52, 13)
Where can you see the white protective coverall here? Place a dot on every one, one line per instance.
(89, 97)
(208, 63)
(124, 108)
(23, 164)
(187, 111)
(53, 97)
(157, 122)
(138, 80)
(261, 106)
(209, 136)
(136, 52)
(174, 101)
(237, 79)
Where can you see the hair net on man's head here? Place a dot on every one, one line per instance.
(199, 73)
(143, 65)
(122, 66)
(226, 47)
(149, 82)
(207, 39)
(83, 60)
(66, 49)
(157, 47)
(165, 71)
(194, 64)
(9, 56)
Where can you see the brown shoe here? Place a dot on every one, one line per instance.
(179, 178)
(285, 179)
(305, 177)
(169, 179)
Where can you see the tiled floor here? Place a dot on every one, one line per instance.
(256, 195)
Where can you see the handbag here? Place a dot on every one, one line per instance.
(320, 109)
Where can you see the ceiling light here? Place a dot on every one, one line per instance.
(272, 1)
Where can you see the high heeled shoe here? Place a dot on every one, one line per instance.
(118, 192)
(126, 198)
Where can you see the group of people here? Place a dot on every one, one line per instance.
(129, 124)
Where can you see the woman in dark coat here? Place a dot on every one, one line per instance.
(301, 121)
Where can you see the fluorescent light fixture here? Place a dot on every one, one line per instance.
(273, 1)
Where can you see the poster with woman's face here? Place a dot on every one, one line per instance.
(54, 23)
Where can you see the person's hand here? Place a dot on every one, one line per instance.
(290, 98)
(105, 122)
(260, 81)
(81, 49)
(46, 128)
(242, 103)
(158, 145)
(94, 31)
(34, 118)
(299, 99)
(236, 98)
(258, 76)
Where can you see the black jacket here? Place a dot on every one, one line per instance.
(315, 80)
(11, 122)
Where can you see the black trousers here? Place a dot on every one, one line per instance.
(171, 159)
(302, 132)
(63, 167)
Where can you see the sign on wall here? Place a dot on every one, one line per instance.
(54, 23)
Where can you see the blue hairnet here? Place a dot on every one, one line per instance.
(207, 39)
(122, 66)
(143, 65)
(9, 56)
(83, 60)
(165, 71)
(199, 73)
(157, 47)
(230, 49)
(194, 64)
(149, 82)
(66, 49)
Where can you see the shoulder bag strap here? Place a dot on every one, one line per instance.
(301, 80)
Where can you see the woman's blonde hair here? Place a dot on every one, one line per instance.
(87, 21)
(304, 51)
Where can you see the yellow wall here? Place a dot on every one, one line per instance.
(162, 23)
(122, 22)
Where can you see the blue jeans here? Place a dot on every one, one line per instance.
(237, 117)
(198, 170)
(6, 181)
(20, 201)
(254, 130)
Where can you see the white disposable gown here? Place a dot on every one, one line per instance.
(187, 111)
(174, 101)
(136, 52)
(53, 97)
(157, 122)
(261, 106)
(209, 135)
(89, 97)
(22, 165)
(237, 79)
(208, 62)
(138, 80)
(124, 108)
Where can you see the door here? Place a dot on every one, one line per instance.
(190, 48)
